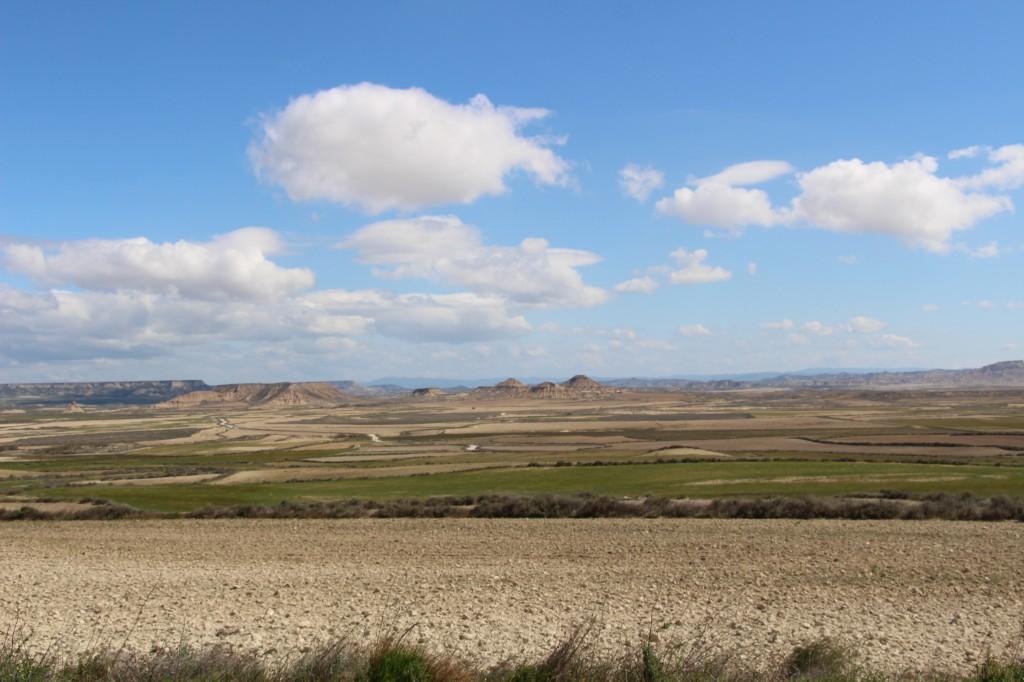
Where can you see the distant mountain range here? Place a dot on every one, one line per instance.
(284, 394)
(579, 386)
(389, 384)
(1008, 374)
(97, 392)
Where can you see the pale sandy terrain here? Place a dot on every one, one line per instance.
(149, 481)
(336, 473)
(920, 593)
(782, 444)
(583, 424)
(929, 438)
(45, 507)
(17, 473)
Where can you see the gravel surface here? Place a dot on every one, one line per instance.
(917, 594)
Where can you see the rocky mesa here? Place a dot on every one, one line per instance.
(579, 386)
(285, 394)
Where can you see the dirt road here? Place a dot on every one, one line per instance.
(903, 592)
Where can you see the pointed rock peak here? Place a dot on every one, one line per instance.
(1005, 366)
(582, 381)
(510, 383)
(545, 386)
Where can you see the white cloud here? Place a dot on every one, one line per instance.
(693, 269)
(986, 305)
(751, 268)
(865, 325)
(637, 285)
(694, 330)
(868, 327)
(1006, 173)
(231, 266)
(848, 260)
(990, 250)
(929, 308)
(907, 200)
(77, 324)
(453, 318)
(384, 148)
(723, 206)
(446, 249)
(639, 181)
(817, 328)
(966, 152)
(62, 325)
(720, 201)
(133, 298)
(748, 173)
(895, 342)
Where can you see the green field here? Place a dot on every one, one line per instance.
(711, 479)
(792, 446)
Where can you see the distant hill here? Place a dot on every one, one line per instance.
(107, 393)
(428, 392)
(261, 395)
(579, 386)
(1008, 374)
(447, 383)
(358, 390)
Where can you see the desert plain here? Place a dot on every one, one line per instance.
(904, 593)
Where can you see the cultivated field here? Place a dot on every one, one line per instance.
(904, 594)
(671, 445)
(918, 594)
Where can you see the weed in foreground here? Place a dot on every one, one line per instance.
(392, 660)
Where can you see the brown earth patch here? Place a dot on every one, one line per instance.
(920, 594)
(18, 473)
(333, 473)
(156, 480)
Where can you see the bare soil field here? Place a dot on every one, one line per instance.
(919, 593)
(46, 507)
(340, 473)
(807, 443)
(1008, 441)
(804, 445)
(153, 480)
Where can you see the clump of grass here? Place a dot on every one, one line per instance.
(824, 659)
(391, 659)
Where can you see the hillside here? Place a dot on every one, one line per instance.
(1007, 374)
(359, 390)
(61, 394)
(284, 394)
(579, 386)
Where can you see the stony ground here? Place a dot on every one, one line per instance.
(925, 594)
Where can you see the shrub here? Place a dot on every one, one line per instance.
(824, 659)
(398, 665)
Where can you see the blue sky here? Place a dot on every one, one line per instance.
(794, 202)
